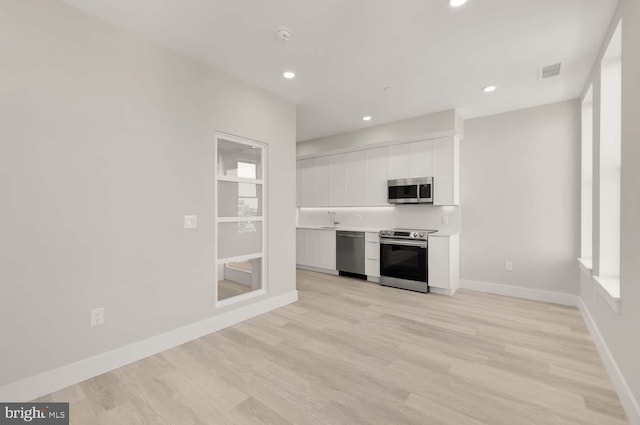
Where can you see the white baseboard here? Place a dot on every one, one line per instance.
(442, 291)
(317, 269)
(629, 402)
(57, 379)
(519, 292)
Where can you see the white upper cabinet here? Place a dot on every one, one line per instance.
(421, 159)
(355, 179)
(321, 181)
(446, 181)
(306, 181)
(299, 184)
(411, 160)
(359, 178)
(377, 174)
(399, 161)
(313, 182)
(336, 180)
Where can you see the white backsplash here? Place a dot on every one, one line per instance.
(400, 216)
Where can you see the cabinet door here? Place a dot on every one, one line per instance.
(377, 164)
(312, 247)
(307, 182)
(421, 160)
(399, 161)
(446, 178)
(336, 180)
(328, 249)
(444, 264)
(372, 267)
(355, 187)
(299, 183)
(301, 249)
(439, 262)
(321, 181)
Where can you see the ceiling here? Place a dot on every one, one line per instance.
(345, 52)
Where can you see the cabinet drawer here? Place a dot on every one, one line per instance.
(372, 268)
(372, 237)
(372, 251)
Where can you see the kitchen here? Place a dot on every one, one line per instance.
(412, 185)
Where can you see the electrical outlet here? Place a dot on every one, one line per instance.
(190, 221)
(445, 219)
(97, 316)
(508, 266)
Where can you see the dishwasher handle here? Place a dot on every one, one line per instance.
(359, 235)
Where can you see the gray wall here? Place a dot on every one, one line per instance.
(620, 331)
(106, 141)
(520, 197)
(445, 121)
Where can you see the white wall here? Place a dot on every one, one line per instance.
(620, 330)
(106, 141)
(445, 122)
(520, 197)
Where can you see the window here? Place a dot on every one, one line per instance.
(240, 218)
(608, 270)
(586, 198)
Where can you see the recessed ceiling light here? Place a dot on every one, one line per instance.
(367, 118)
(489, 89)
(289, 75)
(457, 3)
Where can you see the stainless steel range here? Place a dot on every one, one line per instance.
(404, 259)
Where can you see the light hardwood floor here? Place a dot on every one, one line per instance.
(351, 352)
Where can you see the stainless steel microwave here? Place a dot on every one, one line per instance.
(410, 191)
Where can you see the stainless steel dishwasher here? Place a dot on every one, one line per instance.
(350, 253)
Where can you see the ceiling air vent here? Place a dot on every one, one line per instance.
(550, 71)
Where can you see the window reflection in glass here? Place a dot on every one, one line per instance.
(239, 160)
(239, 199)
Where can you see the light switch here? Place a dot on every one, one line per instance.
(445, 219)
(97, 316)
(190, 221)
(508, 266)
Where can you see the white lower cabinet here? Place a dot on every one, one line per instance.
(443, 263)
(316, 248)
(301, 252)
(372, 255)
(327, 249)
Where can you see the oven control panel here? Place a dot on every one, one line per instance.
(406, 234)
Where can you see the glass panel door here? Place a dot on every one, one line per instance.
(240, 218)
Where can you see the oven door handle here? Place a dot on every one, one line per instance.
(402, 242)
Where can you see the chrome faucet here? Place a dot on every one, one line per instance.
(332, 215)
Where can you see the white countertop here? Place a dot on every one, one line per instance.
(443, 234)
(367, 229)
(345, 228)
